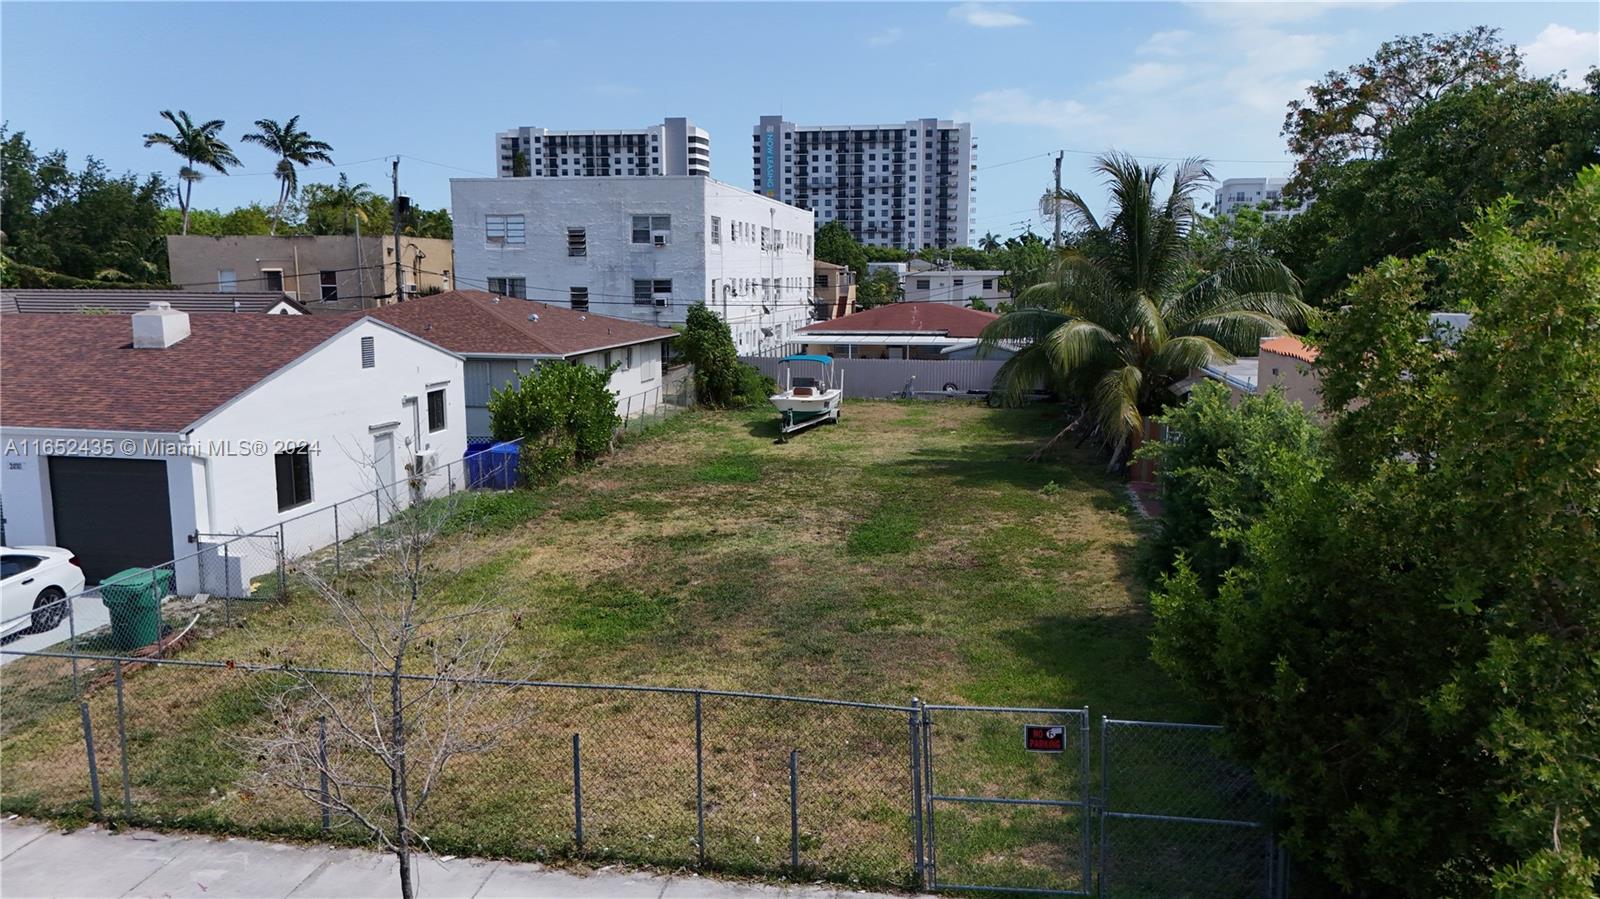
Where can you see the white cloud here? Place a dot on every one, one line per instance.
(1282, 13)
(1559, 47)
(1167, 43)
(1150, 76)
(980, 15)
(885, 37)
(1016, 106)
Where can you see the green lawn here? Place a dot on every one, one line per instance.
(908, 551)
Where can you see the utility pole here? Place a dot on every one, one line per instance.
(361, 281)
(1056, 201)
(395, 210)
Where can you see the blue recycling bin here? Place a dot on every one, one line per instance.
(494, 468)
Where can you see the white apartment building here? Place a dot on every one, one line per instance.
(1236, 193)
(908, 184)
(644, 249)
(954, 287)
(674, 147)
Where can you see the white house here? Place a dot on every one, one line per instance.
(955, 287)
(640, 248)
(127, 439)
(127, 302)
(500, 336)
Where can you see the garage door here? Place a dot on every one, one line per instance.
(112, 513)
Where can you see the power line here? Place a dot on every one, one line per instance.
(445, 166)
(997, 165)
(316, 168)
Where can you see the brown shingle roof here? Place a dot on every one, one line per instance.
(81, 371)
(131, 301)
(908, 318)
(472, 322)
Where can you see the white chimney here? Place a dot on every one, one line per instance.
(159, 327)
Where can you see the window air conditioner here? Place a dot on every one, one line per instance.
(661, 301)
(660, 240)
(425, 461)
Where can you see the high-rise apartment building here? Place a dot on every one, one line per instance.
(674, 147)
(1236, 193)
(906, 184)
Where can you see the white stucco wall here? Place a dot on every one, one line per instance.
(225, 481)
(943, 289)
(755, 289)
(637, 387)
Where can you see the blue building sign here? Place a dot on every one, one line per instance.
(769, 148)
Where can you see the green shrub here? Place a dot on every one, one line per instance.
(721, 381)
(564, 413)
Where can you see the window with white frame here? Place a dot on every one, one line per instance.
(716, 229)
(505, 230)
(227, 280)
(509, 287)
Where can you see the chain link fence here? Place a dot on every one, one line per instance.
(914, 796)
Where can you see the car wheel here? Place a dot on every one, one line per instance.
(48, 610)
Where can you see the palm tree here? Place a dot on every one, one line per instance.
(351, 199)
(989, 242)
(294, 147)
(200, 146)
(1128, 311)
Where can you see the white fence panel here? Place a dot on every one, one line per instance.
(879, 378)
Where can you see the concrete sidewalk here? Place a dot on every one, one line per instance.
(40, 861)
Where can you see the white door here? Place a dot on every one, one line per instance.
(383, 472)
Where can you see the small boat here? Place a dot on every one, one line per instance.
(805, 400)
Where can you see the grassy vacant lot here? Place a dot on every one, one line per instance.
(908, 551)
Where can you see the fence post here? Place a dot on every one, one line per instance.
(1086, 863)
(377, 505)
(699, 782)
(337, 567)
(794, 809)
(284, 555)
(122, 746)
(227, 583)
(322, 766)
(930, 860)
(916, 790)
(577, 792)
(88, 745)
(155, 591)
(1105, 805)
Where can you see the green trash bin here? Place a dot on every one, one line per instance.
(133, 597)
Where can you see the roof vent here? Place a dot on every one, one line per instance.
(159, 327)
(533, 316)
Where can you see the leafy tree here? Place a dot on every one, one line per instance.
(1026, 260)
(200, 146)
(565, 414)
(1124, 315)
(720, 379)
(519, 165)
(337, 209)
(881, 286)
(1434, 171)
(978, 304)
(74, 229)
(253, 219)
(1409, 650)
(293, 147)
(837, 245)
(1221, 473)
(1350, 114)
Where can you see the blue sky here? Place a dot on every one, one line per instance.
(1157, 79)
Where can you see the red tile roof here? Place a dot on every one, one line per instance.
(1291, 347)
(82, 372)
(908, 318)
(474, 322)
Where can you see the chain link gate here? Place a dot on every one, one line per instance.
(1007, 801)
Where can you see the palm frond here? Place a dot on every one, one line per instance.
(1028, 369)
(1077, 344)
(1190, 351)
(1116, 406)
(1239, 330)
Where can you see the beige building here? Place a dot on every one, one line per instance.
(324, 272)
(834, 287)
(1289, 364)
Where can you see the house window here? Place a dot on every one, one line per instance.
(227, 280)
(988, 284)
(436, 410)
(509, 287)
(580, 298)
(330, 286)
(656, 291)
(294, 477)
(273, 279)
(822, 280)
(505, 230)
(924, 284)
(641, 293)
(716, 229)
(652, 229)
(577, 242)
(959, 281)
(369, 353)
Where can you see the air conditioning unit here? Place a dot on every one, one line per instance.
(661, 301)
(409, 288)
(660, 240)
(425, 462)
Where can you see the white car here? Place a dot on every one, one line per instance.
(33, 581)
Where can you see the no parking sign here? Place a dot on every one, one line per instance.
(1044, 738)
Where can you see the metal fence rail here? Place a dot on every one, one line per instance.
(940, 797)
